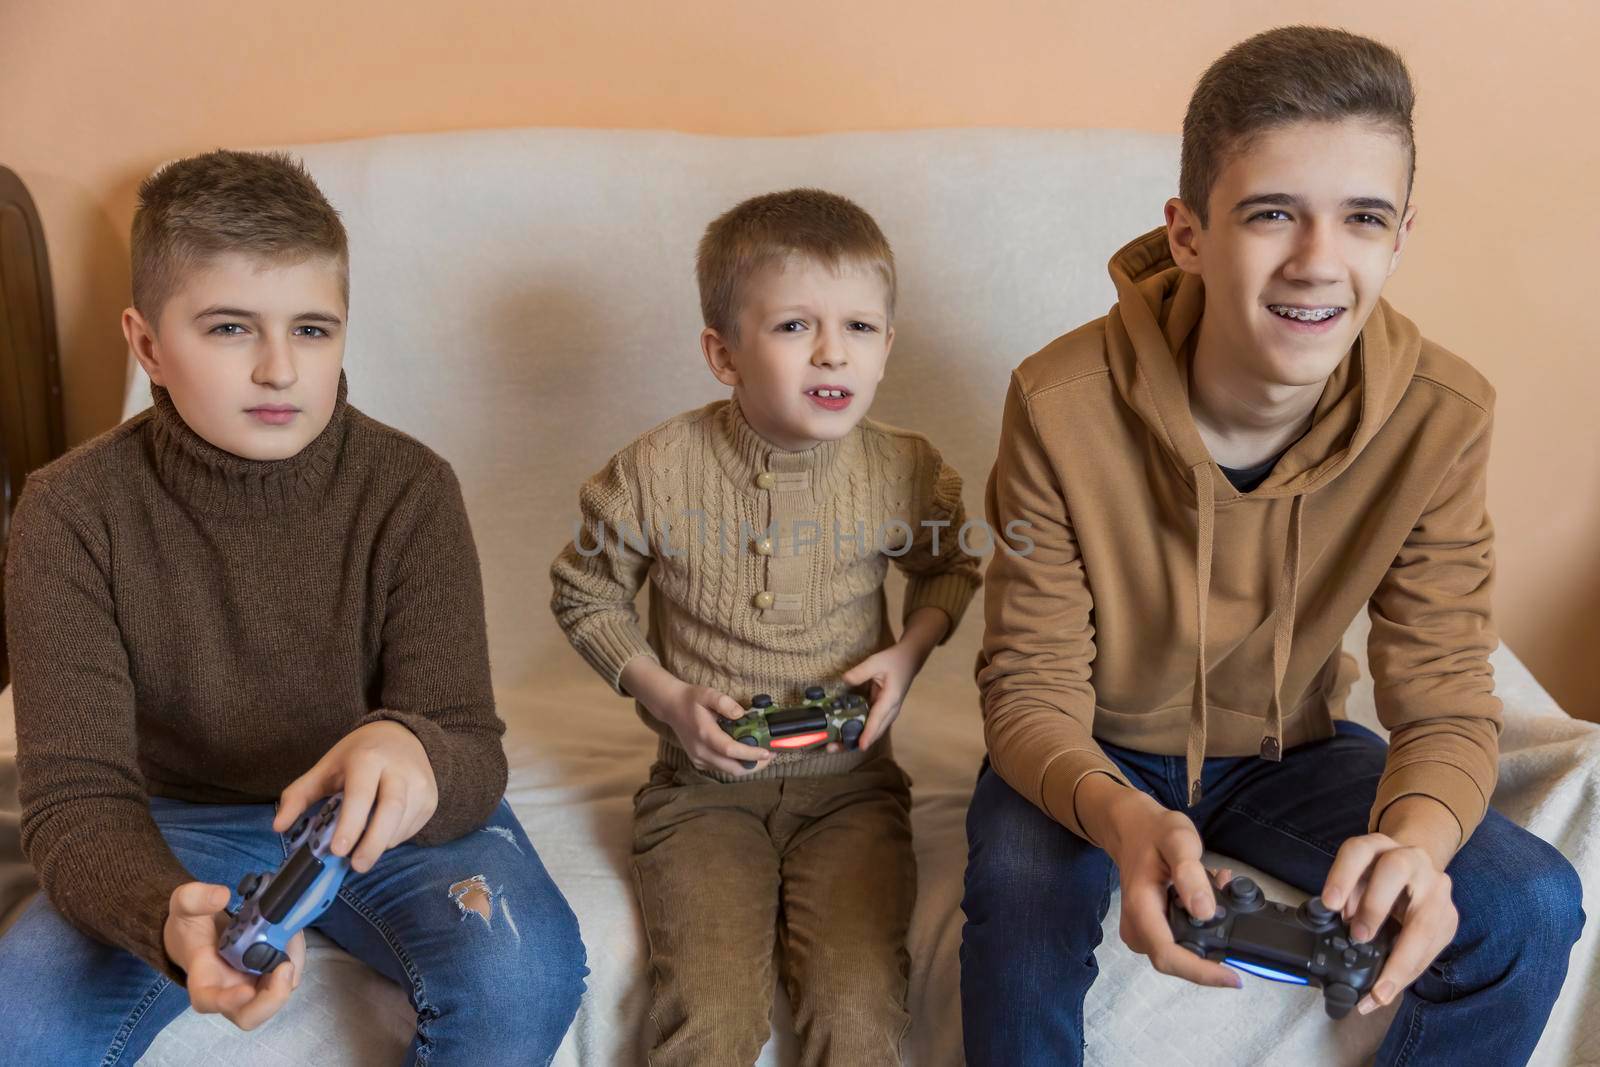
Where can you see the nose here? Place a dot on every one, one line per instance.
(1314, 257)
(830, 351)
(275, 364)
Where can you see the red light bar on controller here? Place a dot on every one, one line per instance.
(800, 740)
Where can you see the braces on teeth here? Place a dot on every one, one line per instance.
(1305, 314)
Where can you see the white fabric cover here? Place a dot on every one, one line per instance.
(524, 302)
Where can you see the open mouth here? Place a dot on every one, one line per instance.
(1311, 315)
(831, 397)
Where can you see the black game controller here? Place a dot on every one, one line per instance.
(1308, 945)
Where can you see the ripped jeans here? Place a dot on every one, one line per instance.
(474, 929)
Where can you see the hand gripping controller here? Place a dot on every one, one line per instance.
(1308, 945)
(277, 906)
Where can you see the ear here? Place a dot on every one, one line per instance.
(719, 357)
(141, 337)
(1183, 236)
(1400, 237)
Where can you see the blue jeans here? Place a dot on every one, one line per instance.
(1036, 895)
(497, 990)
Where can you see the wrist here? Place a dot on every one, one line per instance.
(924, 629)
(1104, 807)
(1422, 822)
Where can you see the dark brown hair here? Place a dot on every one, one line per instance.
(256, 203)
(1290, 74)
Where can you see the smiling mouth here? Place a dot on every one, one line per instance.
(829, 394)
(1305, 314)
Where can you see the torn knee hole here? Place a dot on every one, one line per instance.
(472, 896)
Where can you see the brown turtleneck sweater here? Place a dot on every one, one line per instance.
(185, 623)
(766, 566)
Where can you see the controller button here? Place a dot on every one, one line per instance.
(262, 957)
(1319, 911)
(1244, 891)
(761, 700)
(1349, 957)
(1340, 943)
(815, 692)
(1366, 948)
(1338, 999)
(248, 885)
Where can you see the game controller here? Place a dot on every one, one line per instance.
(816, 722)
(277, 906)
(1309, 945)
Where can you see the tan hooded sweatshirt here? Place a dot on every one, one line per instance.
(1159, 609)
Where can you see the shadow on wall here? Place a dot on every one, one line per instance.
(1563, 649)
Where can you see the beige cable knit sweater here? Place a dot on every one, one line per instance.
(766, 567)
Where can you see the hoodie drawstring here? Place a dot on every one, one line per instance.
(1284, 601)
(1205, 512)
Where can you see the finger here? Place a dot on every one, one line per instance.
(272, 992)
(303, 792)
(1194, 888)
(382, 825)
(360, 790)
(721, 744)
(860, 672)
(297, 956)
(1413, 950)
(726, 706)
(875, 724)
(1221, 877)
(214, 999)
(735, 767)
(1351, 862)
(1390, 876)
(1179, 962)
(195, 900)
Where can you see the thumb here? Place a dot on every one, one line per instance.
(861, 672)
(304, 791)
(195, 900)
(727, 707)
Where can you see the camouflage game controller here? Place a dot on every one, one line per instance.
(816, 722)
(277, 906)
(1309, 945)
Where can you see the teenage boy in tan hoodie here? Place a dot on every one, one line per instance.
(1217, 476)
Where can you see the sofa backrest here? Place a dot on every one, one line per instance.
(524, 300)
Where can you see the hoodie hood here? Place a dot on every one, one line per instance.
(1148, 336)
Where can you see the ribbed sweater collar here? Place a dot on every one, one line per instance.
(744, 455)
(216, 482)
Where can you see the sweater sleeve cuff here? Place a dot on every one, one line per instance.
(469, 773)
(135, 918)
(950, 593)
(1058, 786)
(609, 646)
(1451, 786)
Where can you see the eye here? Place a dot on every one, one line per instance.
(312, 331)
(863, 327)
(1281, 216)
(1368, 219)
(227, 329)
(792, 326)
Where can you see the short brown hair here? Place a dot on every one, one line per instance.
(257, 203)
(1290, 74)
(809, 223)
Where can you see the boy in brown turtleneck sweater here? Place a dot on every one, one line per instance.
(768, 524)
(254, 592)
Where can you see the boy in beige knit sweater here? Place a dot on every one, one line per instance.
(765, 524)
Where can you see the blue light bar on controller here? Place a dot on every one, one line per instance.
(1264, 972)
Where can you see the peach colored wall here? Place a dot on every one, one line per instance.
(1501, 268)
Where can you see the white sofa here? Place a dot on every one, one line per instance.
(524, 302)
